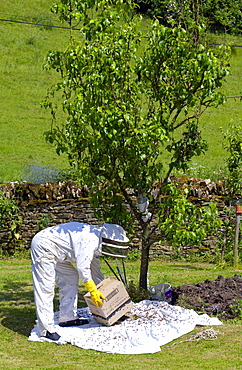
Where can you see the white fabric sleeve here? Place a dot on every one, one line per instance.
(85, 249)
(83, 265)
(97, 275)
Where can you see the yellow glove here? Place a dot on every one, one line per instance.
(96, 295)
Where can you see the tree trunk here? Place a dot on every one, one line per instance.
(144, 264)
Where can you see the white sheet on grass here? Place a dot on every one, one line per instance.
(157, 323)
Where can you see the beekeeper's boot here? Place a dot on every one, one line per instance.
(52, 336)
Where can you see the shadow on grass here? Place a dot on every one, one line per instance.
(187, 267)
(17, 308)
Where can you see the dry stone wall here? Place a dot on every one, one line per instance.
(42, 205)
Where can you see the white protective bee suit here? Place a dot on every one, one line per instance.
(53, 250)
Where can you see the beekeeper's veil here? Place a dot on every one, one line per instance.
(114, 241)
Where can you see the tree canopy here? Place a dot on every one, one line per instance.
(132, 104)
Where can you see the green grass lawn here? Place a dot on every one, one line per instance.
(24, 84)
(17, 318)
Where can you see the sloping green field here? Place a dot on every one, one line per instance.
(24, 84)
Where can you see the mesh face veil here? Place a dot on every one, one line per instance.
(114, 241)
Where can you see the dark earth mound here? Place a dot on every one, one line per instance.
(221, 297)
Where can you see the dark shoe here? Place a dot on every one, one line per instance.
(76, 322)
(52, 336)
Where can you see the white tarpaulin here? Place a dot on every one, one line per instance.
(153, 324)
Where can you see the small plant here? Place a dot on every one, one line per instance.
(137, 294)
(43, 221)
(9, 217)
(226, 235)
(237, 309)
(38, 174)
(9, 214)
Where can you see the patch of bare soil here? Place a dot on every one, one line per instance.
(221, 297)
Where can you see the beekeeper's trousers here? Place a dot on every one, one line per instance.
(49, 267)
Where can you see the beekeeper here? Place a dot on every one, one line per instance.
(53, 250)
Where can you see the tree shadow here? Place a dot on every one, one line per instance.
(17, 306)
(187, 267)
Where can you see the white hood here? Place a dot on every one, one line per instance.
(114, 241)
